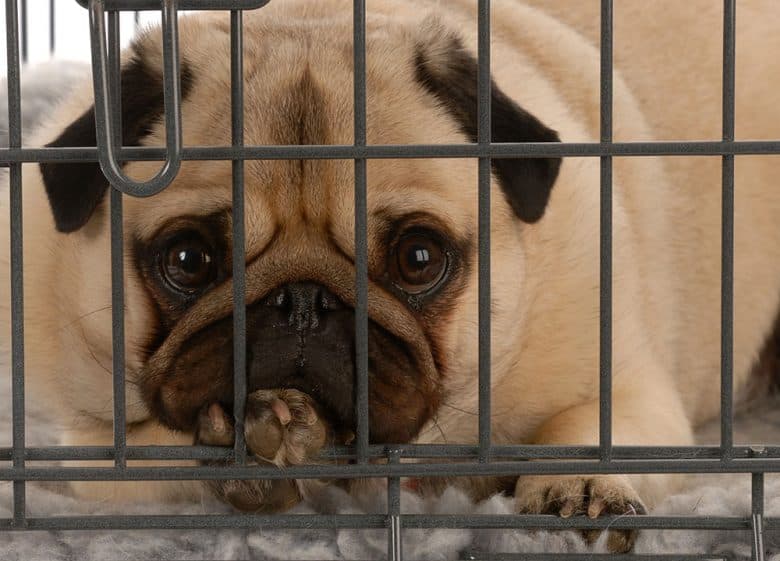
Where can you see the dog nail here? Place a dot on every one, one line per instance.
(568, 509)
(596, 507)
(217, 418)
(282, 411)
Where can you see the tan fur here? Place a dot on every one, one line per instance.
(666, 213)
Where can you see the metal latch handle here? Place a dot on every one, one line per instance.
(106, 137)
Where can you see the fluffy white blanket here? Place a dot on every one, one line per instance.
(705, 495)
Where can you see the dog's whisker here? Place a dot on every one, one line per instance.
(435, 420)
(464, 411)
(84, 316)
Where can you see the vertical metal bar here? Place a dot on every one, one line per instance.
(114, 73)
(361, 233)
(394, 544)
(484, 138)
(118, 327)
(727, 240)
(137, 19)
(52, 28)
(239, 239)
(117, 254)
(757, 520)
(605, 280)
(17, 266)
(25, 51)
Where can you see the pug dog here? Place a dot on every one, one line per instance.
(422, 243)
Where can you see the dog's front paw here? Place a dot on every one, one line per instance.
(594, 495)
(282, 428)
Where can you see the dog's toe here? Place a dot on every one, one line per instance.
(264, 425)
(214, 428)
(594, 496)
(258, 495)
(282, 428)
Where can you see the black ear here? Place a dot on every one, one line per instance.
(76, 189)
(449, 72)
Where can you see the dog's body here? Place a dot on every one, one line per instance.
(545, 269)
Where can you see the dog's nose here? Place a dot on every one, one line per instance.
(300, 336)
(305, 303)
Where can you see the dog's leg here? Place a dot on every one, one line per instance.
(149, 433)
(645, 415)
(282, 428)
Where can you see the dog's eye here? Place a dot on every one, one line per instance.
(188, 264)
(420, 263)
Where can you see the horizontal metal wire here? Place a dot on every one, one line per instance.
(408, 451)
(591, 557)
(137, 5)
(421, 469)
(315, 521)
(391, 151)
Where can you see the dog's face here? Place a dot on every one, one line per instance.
(300, 227)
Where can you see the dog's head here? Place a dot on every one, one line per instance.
(299, 246)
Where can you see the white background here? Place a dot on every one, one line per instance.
(71, 30)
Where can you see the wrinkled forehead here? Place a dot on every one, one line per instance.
(302, 96)
(299, 84)
(320, 202)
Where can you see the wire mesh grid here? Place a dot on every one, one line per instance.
(481, 459)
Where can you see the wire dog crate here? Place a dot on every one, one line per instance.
(482, 459)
